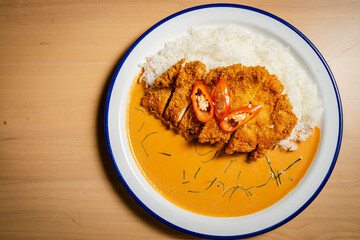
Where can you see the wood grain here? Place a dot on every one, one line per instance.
(56, 61)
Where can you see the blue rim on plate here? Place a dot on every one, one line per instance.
(335, 88)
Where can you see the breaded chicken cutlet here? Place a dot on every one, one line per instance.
(260, 134)
(170, 100)
(157, 95)
(282, 121)
(180, 99)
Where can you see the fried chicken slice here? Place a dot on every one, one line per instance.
(283, 121)
(247, 137)
(274, 123)
(168, 78)
(243, 83)
(190, 126)
(157, 96)
(181, 98)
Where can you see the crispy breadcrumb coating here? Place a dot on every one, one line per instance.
(157, 96)
(181, 97)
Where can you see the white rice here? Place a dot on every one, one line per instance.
(226, 45)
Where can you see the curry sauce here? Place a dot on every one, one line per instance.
(202, 178)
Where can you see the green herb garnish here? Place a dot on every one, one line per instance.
(166, 154)
(222, 184)
(201, 154)
(142, 142)
(237, 177)
(196, 173)
(283, 171)
(259, 186)
(290, 165)
(211, 158)
(277, 176)
(245, 190)
(142, 125)
(230, 164)
(211, 183)
(272, 172)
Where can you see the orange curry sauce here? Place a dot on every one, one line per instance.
(204, 180)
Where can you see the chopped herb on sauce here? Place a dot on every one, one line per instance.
(201, 154)
(196, 173)
(166, 154)
(142, 125)
(142, 142)
(211, 183)
(211, 158)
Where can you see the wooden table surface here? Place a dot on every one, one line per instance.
(56, 61)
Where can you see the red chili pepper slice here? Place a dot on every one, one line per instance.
(221, 100)
(239, 117)
(202, 102)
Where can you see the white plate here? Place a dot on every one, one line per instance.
(213, 227)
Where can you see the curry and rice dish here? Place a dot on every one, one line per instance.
(220, 140)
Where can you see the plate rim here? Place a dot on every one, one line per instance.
(256, 10)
